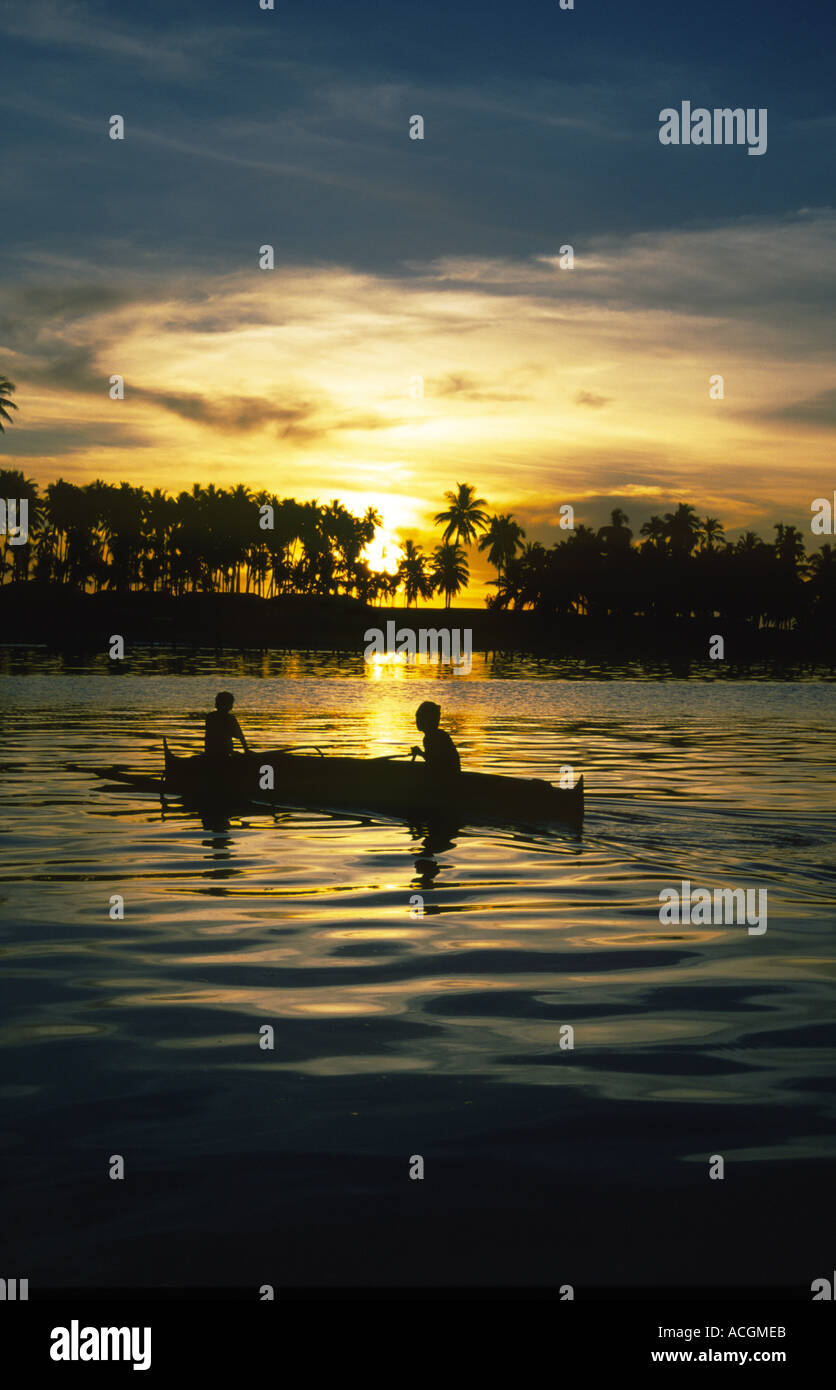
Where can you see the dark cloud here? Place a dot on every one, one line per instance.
(814, 410)
(230, 414)
(591, 398)
(36, 320)
(66, 300)
(58, 440)
(301, 421)
(72, 369)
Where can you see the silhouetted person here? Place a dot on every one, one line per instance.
(222, 727)
(439, 750)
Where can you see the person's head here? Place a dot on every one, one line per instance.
(427, 716)
(224, 701)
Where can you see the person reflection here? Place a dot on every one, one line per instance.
(215, 821)
(436, 838)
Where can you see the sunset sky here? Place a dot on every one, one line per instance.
(439, 259)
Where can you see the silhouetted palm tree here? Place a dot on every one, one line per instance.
(502, 540)
(6, 402)
(789, 545)
(747, 542)
(16, 487)
(654, 530)
(617, 536)
(682, 528)
(823, 583)
(413, 573)
(823, 561)
(711, 530)
(121, 537)
(464, 518)
(450, 571)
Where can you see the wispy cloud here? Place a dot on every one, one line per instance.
(67, 24)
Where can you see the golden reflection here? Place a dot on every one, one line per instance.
(20, 1033)
(692, 937)
(379, 934)
(335, 1010)
(398, 663)
(352, 1066)
(813, 1146)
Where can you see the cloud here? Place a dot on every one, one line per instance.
(541, 386)
(70, 438)
(776, 274)
(64, 24)
(43, 359)
(465, 387)
(818, 410)
(235, 414)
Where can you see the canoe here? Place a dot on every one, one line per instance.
(391, 787)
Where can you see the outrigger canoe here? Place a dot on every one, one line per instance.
(381, 785)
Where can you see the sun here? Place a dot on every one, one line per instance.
(400, 516)
(384, 553)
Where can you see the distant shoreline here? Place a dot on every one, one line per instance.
(63, 619)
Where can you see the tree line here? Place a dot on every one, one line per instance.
(681, 567)
(106, 537)
(102, 536)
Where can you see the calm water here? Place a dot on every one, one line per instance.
(398, 1035)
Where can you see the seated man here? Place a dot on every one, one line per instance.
(221, 728)
(439, 750)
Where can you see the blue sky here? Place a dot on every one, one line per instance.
(541, 123)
